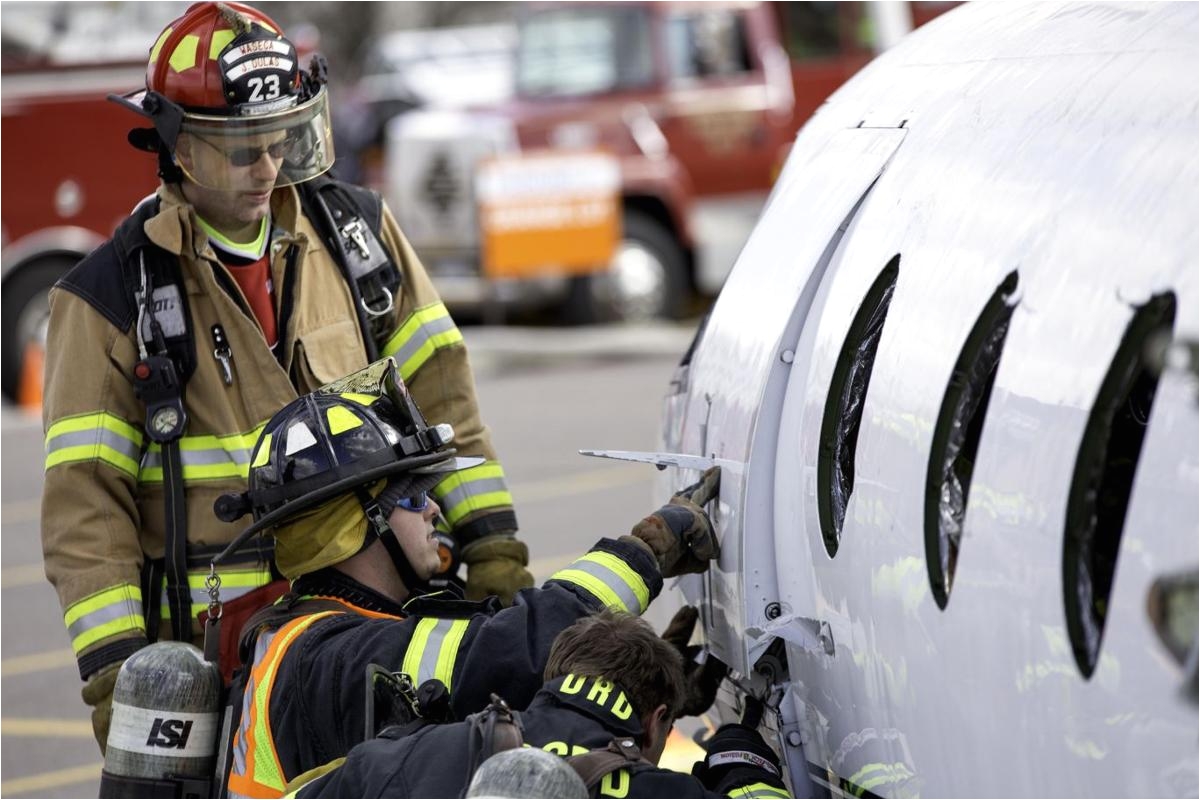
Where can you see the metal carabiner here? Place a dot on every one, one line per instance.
(212, 585)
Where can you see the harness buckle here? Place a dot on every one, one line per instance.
(353, 232)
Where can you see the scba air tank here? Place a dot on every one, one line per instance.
(165, 713)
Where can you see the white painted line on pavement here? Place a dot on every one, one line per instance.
(24, 575)
(50, 780)
(36, 662)
(47, 728)
(21, 511)
(578, 483)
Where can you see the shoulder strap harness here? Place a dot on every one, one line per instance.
(621, 752)
(349, 219)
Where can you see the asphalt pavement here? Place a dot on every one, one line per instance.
(545, 393)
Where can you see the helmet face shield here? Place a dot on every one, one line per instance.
(253, 153)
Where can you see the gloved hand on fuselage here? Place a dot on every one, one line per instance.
(680, 534)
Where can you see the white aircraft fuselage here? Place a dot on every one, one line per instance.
(954, 468)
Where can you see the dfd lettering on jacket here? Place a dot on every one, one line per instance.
(599, 692)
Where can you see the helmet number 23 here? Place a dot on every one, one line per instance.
(263, 88)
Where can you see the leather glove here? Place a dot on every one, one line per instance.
(496, 565)
(700, 680)
(98, 693)
(680, 534)
(736, 755)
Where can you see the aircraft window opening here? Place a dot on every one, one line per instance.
(956, 437)
(1103, 480)
(844, 405)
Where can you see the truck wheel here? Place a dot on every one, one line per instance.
(26, 311)
(647, 280)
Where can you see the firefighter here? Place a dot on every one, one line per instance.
(340, 478)
(612, 691)
(249, 278)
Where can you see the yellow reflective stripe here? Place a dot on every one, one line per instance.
(890, 773)
(759, 790)
(102, 419)
(464, 492)
(234, 584)
(444, 671)
(255, 576)
(626, 573)
(597, 587)
(476, 502)
(108, 612)
(425, 331)
(433, 650)
(87, 452)
(205, 457)
(412, 656)
(305, 778)
(610, 579)
(94, 437)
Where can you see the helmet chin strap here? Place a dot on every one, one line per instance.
(378, 523)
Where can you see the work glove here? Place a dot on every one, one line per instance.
(680, 534)
(701, 680)
(98, 693)
(496, 564)
(737, 756)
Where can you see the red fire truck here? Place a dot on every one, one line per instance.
(68, 178)
(695, 105)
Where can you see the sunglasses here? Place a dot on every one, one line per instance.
(246, 156)
(416, 503)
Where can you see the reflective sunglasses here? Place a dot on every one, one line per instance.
(416, 503)
(246, 156)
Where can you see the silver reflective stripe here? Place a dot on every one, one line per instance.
(421, 335)
(200, 458)
(461, 493)
(102, 436)
(113, 611)
(433, 649)
(613, 581)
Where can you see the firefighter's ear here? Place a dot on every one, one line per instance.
(183, 151)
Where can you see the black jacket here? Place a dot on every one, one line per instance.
(317, 701)
(433, 762)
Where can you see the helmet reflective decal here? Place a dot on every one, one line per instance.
(264, 451)
(341, 419)
(299, 437)
(259, 71)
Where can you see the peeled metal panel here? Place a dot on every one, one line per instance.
(738, 377)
